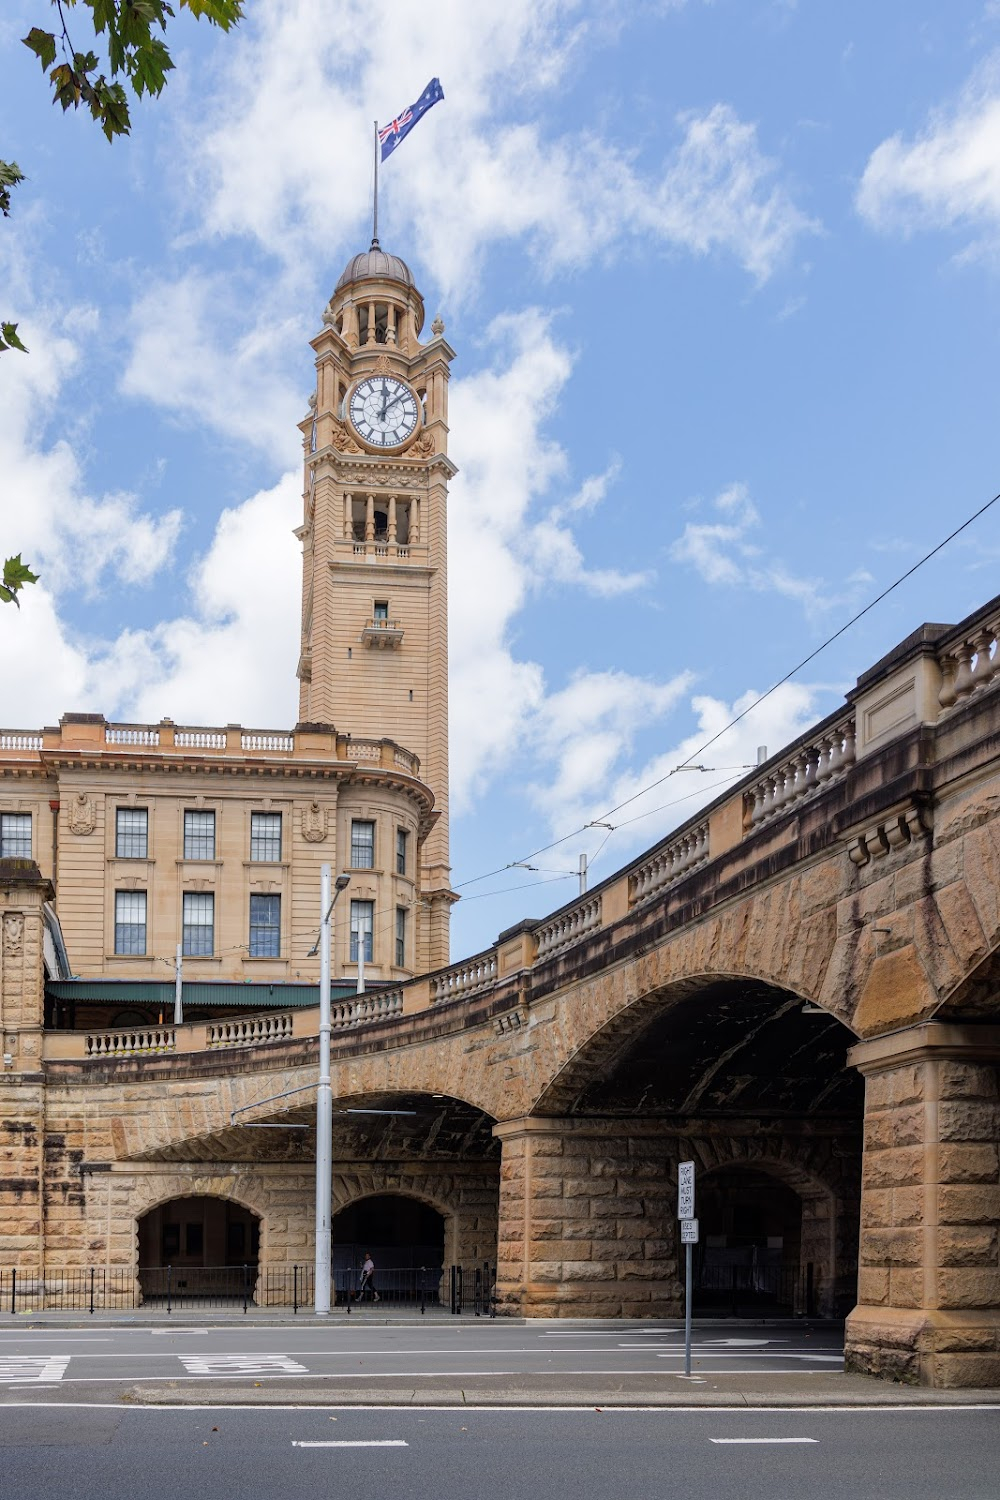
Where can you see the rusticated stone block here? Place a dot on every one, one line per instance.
(960, 1163)
(907, 1206)
(895, 1247)
(965, 1287)
(893, 1168)
(965, 1370)
(962, 1080)
(969, 1204)
(967, 1245)
(967, 1122)
(873, 1285)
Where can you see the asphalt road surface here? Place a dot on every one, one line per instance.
(157, 1453)
(96, 1362)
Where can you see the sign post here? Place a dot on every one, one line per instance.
(689, 1237)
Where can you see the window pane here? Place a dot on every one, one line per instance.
(198, 936)
(400, 937)
(15, 835)
(400, 851)
(131, 833)
(265, 836)
(362, 845)
(130, 921)
(265, 926)
(199, 835)
(362, 921)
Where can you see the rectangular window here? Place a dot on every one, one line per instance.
(198, 937)
(131, 833)
(362, 922)
(362, 845)
(265, 836)
(401, 837)
(265, 926)
(381, 609)
(401, 937)
(199, 835)
(130, 921)
(15, 835)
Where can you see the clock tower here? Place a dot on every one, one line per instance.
(374, 655)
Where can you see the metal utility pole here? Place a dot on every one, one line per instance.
(179, 986)
(583, 874)
(324, 1096)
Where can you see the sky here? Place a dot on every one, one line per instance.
(723, 279)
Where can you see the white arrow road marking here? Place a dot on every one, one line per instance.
(759, 1441)
(743, 1343)
(46, 1367)
(370, 1443)
(240, 1364)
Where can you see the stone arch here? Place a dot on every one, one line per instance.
(603, 1043)
(465, 1199)
(830, 1207)
(149, 1193)
(976, 997)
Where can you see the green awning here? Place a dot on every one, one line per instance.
(257, 995)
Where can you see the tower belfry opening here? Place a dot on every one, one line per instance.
(374, 653)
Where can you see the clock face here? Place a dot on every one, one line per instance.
(383, 411)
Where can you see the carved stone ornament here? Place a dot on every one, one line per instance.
(342, 440)
(424, 444)
(82, 814)
(314, 823)
(13, 934)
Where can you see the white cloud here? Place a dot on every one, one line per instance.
(286, 157)
(949, 177)
(723, 552)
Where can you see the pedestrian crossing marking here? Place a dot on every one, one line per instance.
(240, 1364)
(26, 1367)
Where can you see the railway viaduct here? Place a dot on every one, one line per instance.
(799, 989)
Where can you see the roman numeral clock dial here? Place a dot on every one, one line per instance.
(383, 411)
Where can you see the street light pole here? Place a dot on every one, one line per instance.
(324, 1096)
(179, 986)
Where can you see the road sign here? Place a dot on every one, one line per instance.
(689, 1231)
(685, 1190)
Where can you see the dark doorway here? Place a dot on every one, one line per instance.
(749, 1254)
(404, 1237)
(198, 1247)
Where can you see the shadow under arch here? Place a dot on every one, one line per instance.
(707, 1043)
(405, 1234)
(976, 998)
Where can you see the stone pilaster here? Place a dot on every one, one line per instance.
(929, 1280)
(586, 1227)
(23, 893)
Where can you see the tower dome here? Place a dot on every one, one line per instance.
(375, 263)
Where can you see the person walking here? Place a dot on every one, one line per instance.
(367, 1283)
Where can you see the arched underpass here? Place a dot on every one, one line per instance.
(746, 1080)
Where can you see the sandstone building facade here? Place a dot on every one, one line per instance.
(798, 989)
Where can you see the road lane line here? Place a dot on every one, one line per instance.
(743, 1442)
(363, 1443)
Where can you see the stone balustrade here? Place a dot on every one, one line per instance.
(568, 927)
(669, 863)
(970, 663)
(464, 979)
(131, 734)
(814, 764)
(374, 1005)
(367, 750)
(249, 1031)
(261, 740)
(17, 739)
(200, 739)
(132, 1042)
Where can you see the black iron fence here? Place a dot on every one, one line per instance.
(89, 1289)
(741, 1290)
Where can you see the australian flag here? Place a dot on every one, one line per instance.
(391, 135)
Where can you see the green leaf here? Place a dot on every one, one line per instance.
(15, 575)
(224, 13)
(42, 44)
(10, 176)
(9, 338)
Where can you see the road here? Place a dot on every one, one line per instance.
(97, 1362)
(470, 1454)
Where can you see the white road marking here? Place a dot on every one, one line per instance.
(842, 1410)
(179, 1332)
(743, 1343)
(240, 1364)
(20, 1367)
(369, 1443)
(760, 1441)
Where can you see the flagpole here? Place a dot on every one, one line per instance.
(375, 214)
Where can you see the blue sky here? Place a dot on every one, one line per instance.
(723, 282)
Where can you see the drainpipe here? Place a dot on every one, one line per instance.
(54, 805)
